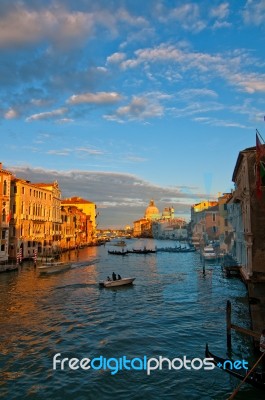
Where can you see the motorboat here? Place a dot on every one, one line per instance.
(117, 282)
(209, 253)
(53, 267)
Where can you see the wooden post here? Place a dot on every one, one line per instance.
(228, 325)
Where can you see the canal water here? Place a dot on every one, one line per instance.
(172, 310)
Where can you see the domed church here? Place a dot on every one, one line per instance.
(152, 211)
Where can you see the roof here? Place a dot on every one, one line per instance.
(76, 200)
(214, 208)
(4, 171)
(240, 158)
(43, 184)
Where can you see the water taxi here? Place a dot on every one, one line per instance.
(53, 267)
(117, 282)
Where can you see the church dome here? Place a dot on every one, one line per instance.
(151, 211)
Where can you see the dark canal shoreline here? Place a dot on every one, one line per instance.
(172, 310)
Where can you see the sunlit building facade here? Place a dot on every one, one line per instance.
(76, 229)
(35, 222)
(88, 208)
(204, 226)
(5, 184)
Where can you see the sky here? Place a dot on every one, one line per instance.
(126, 101)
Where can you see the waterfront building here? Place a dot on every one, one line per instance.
(88, 208)
(225, 227)
(76, 228)
(160, 226)
(170, 229)
(35, 218)
(247, 216)
(5, 185)
(142, 227)
(203, 224)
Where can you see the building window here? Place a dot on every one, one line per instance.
(2, 247)
(15, 189)
(3, 235)
(5, 189)
(214, 217)
(4, 215)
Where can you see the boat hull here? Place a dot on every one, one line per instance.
(118, 282)
(255, 379)
(51, 268)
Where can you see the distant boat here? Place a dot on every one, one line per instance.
(142, 251)
(175, 249)
(118, 253)
(118, 282)
(53, 267)
(121, 243)
(209, 253)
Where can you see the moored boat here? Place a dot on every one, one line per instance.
(209, 253)
(53, 267)
(117, 282)
(256, 379)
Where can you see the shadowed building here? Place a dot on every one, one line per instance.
(248, 216)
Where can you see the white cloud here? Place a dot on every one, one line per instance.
(11, 114)
(115, 58)
(221, 25)
(221, 122)
(191, 93)
(187, 15)
(220, 12)
(254, 12)
(47, 115)
(95, 98)
(139, 108)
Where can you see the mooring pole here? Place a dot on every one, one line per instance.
(228, 325)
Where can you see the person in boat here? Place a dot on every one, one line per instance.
(119, 277)
(262, 349)
(114, 276)
(108, 278)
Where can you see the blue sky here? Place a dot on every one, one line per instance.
(124, 101)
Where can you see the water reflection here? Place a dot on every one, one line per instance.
(172, 309)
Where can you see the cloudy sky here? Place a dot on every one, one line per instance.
(123, 101)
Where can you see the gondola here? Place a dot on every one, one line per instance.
(118, 253)
(255, 379)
